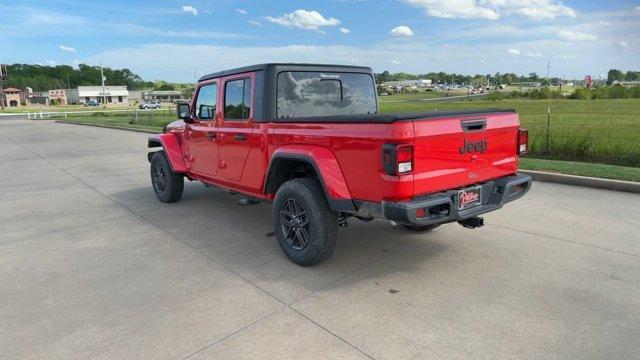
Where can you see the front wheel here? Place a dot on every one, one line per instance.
(305, 226)
(167, 185)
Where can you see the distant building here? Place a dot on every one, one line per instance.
(627, 83)
(59, 95)
(112, 95)
(39, 98)
(164, 95)
(13, 97)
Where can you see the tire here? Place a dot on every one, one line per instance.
(167, 185)
(421, 228)
(305, 226)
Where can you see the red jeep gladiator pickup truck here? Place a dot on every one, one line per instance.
(310, 139)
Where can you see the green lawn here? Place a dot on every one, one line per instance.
(134, 119)
(582, 169)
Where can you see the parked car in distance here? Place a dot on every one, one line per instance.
(309, 139)
(153, 104)
(91, 103)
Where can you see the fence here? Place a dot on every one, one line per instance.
(607, 137)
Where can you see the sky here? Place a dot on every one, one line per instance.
(181, 40)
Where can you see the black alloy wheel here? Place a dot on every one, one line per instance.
(295, 224)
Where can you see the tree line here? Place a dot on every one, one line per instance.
(43, 78)
(617, 75)
(452, 78)
(495, 79)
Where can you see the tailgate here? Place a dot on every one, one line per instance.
(457, 151)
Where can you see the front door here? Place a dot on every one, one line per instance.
(236, 128)
(203, 156)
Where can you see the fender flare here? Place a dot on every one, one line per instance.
(326, 166)
(171, 147)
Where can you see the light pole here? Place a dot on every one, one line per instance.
(3, 75)
(102, 78)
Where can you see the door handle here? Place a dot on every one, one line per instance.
(211, 136)
(240, 137)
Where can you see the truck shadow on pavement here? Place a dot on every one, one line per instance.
(241, 238)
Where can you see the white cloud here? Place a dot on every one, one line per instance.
(536, 9)
(190, 10)
(241, 11)
(67, 48)
(576, 36)
(622, 43)
(402, 31)
(564, 57)
(464, 9)
(637, 8)
(255, 22)
(54, 19)
(514, 51)
(604, 23)
(51, 63)
(309, 20)
(345, 31)
(395, 62)
(208, 12)
(493, 9)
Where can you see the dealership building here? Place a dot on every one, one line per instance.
(116, 95)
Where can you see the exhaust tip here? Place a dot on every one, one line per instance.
(472, 223)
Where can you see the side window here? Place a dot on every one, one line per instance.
(206, 102)
(237, 99)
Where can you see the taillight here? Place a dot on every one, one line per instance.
(397, 159)
(523, 141)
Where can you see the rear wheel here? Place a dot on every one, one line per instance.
(305, 226)
(421, 228)
(167, 185)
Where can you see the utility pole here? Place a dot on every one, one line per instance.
(102, 78)
(3, 75)
(548, 72)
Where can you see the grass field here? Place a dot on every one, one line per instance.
(603, 131)
(136, 119)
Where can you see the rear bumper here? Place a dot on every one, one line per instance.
(441, 207)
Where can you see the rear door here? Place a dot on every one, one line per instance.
(201, 134)
(235, 130)
(458, 151)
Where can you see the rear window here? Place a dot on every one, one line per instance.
(309, 94)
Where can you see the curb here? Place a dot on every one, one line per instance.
(146, 131)
(597, 183)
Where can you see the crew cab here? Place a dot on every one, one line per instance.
(310, 140)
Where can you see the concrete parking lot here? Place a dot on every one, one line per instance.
(93, 266)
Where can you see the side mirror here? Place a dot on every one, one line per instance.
(183, 111)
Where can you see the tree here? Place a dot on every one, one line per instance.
(614, 75)
(533, 76)
(632, 75)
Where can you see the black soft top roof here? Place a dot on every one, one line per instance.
(288, 66)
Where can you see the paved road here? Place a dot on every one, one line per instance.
(92, 266)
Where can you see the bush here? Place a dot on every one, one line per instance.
(54, 102)
(495, 96)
